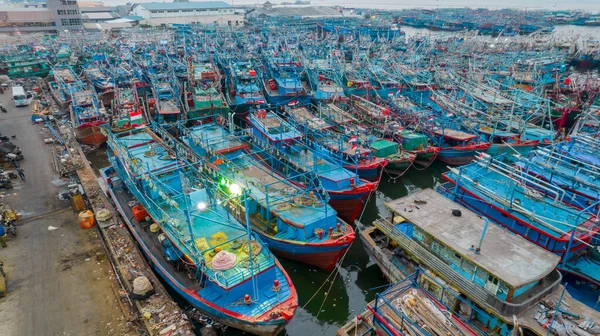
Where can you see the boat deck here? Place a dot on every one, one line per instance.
(337, 115)
(507, 256)
(229, 301)
(151, 155)
(307, 159)
(215, 137)
(454, 134)
(555, 219)
(305, 118)
(82, 98)
(64, 74)
(275, 128)
(335, 143)
(265, 185)
(168, 107)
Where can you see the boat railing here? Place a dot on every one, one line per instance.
(548, 156)
(583, 148)
(475, 292)
(514, 173)
(265, 188)
(511, 202)
(554, 154)
(316, 158)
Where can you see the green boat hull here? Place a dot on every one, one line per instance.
(206, 111)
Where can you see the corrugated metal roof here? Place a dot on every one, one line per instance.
(29, 15)
(98, 16)
(300, 11)
(105, 26)
(184, 5)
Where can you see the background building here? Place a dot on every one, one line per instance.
(55, 15)
(26, 20)
(296, 12)
(165, 13)
(97, 12)
(66, 14)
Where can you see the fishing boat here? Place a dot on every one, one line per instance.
(88, 117)
(381, 121)
(577, 179)
(127, 111)
(209, 258)
(165, 103)
(336, 147)
(63, 54)
(339, 118)
(204, 82)
(296, 223)
(383, 84)
(534, 209)
(103, 83)
(243, 88)
(356, 78)
(16, 66)
(325, 82)
(63, 83)
(347, 192)
(456, 147)
(416, 143)
(503, 142)
(283, 83)
(398, 161)
(468, 262)
(413, 306)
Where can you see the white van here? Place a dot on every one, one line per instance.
(19, 96)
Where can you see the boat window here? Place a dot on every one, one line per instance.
(481, 273)
(467, 267)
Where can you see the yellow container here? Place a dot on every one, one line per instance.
(86, 219)
(78, 203)
(154, 228)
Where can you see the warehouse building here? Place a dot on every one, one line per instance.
(205, 13)
(57, 15)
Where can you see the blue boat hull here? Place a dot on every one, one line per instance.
(324, 257)
(284, 100)
(385, 93)
(456, 157)
(369, 174)
(499, 149)
(356, 92)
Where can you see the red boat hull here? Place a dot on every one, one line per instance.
(91, 135)
(323, 260)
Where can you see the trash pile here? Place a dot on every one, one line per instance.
(161, 313)
(560, 321)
